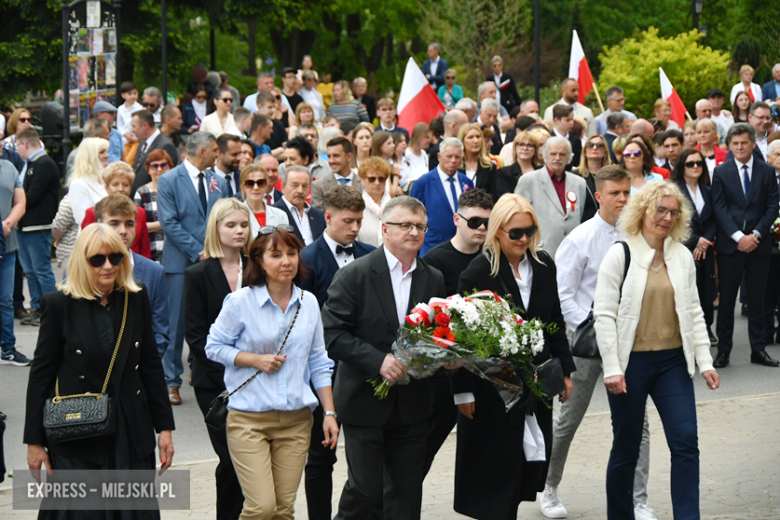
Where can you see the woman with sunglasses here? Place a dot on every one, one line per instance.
(513, 264)
(157, 163)
(206, 284)
(85, 183)
(373, 173)
(596, 156)
(637, 159)
(193, 112)
(651, 335)
(450, 93)
(19, 120)
(692, 177)
(523, 160)
(269, 418)
(221, 120)
(98, 314)
(282, 113)
(476, 162)
(254, 184)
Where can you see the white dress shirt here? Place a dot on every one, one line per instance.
(402, 283)
(762, 144)
(577, 262)
(434, 66)
(698, 198)
(737, 235)
(447, 190)
(302, 222)
(342, 259)
(524, 282)
(194, 172)
(233, 182)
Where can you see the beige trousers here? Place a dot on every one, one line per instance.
(269, 452)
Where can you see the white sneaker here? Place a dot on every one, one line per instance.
(551, 504)
(643, 512)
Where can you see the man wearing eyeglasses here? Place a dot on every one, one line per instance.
(150, 137)
(152, 101)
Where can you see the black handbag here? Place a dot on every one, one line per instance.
(584, 343)
(550, 375)
(216, 417)
(82, 416)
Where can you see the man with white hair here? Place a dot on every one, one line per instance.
(468, 106)
(771, 89)
(558, 196)
(488, 116)
(507, 90)
(488, 90)
(528, 106)
(570, 90)
(772, 295)
(153, 102)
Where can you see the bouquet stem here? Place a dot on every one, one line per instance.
(381, 386)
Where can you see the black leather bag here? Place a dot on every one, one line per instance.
(216, 417)
(550, 375)
(584, 343)
(82, 416)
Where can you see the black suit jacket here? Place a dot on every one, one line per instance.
(509, 96)
(433, 156)
(610, 139)
(41, 185)
(161, 142)
(69, 349)
(370, 104)
(734, 213)
(485, 179)
(705, 225)
(591, 205)
(321, 266)
(316, 220)
(506, 180)
(576, 150)
(205, 288)
(361, 324)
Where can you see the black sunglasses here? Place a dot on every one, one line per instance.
(590, 144)
(517, 233)
(25, 120)
(251, 184)
(226, 100)
(475, 222)
(267, 230)
(100, 260)
(692, 164)
(150, 105)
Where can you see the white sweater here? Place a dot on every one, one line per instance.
(616, 321)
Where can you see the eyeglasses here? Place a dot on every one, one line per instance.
(226, 100)
(100, 260)
(150, 105)
(278, 97)
(526, 146)
(694, 164)
(449, 77)
(25, 120)
(251, 184)
(159, 166)
(635, 153)
(407, 226)
(591, 144)
(372, 180)
(267, 230)
(518, 233)
(662, 212)
(475, 222)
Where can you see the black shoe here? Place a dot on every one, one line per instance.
(744, 309)
(721, 360)
(762, 358)
(713, 338)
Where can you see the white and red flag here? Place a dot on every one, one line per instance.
(579, 69)
(417, 103)
(669, 94)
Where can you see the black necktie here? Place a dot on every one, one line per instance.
(228, 179)
(349, 250)
(202, 191)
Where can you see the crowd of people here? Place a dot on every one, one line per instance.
(287, 238)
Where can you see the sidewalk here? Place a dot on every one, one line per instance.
(739, 440)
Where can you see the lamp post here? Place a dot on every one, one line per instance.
(164, 51)
(537, 49)
(696, 8)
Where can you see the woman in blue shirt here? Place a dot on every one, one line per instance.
(450, 93)
(269, 419)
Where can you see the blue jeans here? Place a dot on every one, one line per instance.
(663, 375)
(7, 270)
(35, 257)
(172, 364)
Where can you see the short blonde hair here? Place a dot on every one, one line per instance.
(746, 68)
(117, 169)
(508, 206)
(81, 283)
(87, 163)
(212, 248)
(707, 124)
(644, 202)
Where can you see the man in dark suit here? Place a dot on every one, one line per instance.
(672, 141)
(434, 67)
(615, 128)
(563, 118)
(760, 118)
(745, 199)
(226, 166)
(367, 302)
(150, 139)
(771, 90)
(504, 83)
(271, 165)
(387, 116)
(489, 116)
(309, 222)
(336, 248)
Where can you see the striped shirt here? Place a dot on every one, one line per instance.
(352, 112)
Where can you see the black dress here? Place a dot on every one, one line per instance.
(492, 476)
(591, 206)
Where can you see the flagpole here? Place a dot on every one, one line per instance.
(688, 115)
(596, 90)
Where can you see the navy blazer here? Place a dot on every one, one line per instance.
(429, 190)
(321, 266)
(316, 220)
(769, 91)
(152, 275)
(703, 224)
(438, 79)
(182, 217)
(734, 213)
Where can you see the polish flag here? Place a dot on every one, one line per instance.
(417, 103)
(578, 68)
(669, 94)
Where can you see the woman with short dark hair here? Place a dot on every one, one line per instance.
(637, 159)
(157, 163)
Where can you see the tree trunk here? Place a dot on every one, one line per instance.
(251, 55)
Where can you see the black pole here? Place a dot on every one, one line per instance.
(117, 12)
(213, 47)
(164, 31)
(537, 49)
(694, 15)
(66, 143)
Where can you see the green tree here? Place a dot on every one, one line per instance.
(692, 68)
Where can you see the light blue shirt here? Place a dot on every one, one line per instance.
(601, 120)
(27, 162)
(250, 102)
(115, 146)
(251, 322)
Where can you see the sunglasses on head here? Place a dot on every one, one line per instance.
(25, 120)
(590, 144)
(159, 166)
(251, 184)
(635, 153)
(518, 233)
(372, 180)
(100, 260)
(267, 230)
(475, 222)
(694, 164)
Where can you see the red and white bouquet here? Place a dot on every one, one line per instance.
(478, 332)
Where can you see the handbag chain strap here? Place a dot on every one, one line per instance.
(284, 342)
(58, 398)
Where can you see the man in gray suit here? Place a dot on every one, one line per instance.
(558, 196)
(150, 139)
(340, 162)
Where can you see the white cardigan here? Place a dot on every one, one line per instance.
(616, 322)
(273, 217)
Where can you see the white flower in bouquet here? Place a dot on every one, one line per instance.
(537, 344)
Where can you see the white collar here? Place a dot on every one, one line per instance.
(349, 177)
(443, 175)
(292, 207)
(603, 224)
(749, 164)
(219, 172)
(393, 262)
(332, 243)
(386, 128)
(152, 137)
(560, 134)
(132, 259)
(436, 60)
(191, 169)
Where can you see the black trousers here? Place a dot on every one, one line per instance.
(772, 296)
(18, 285)
(755, 268)
(400, 450)
(319, 472)
(444, 416)
(230, 499)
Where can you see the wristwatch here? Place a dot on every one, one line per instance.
(756, 235)
(328, 412)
